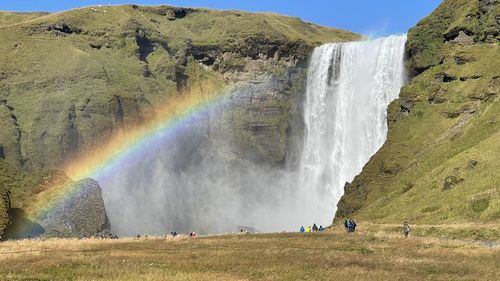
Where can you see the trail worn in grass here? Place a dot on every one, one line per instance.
(333, 255)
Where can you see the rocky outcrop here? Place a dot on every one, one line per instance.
(259, 120)
(460, 21)
(81, 213)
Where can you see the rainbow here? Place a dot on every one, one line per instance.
(124, 145)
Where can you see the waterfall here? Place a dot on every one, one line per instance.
(349, 88)
(183, 183)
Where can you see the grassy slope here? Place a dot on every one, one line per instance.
(366, 255)
(449, 124)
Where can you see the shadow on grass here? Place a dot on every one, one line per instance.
(21, 227)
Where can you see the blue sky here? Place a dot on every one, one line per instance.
(369, 17)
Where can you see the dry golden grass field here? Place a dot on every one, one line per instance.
(369, 254)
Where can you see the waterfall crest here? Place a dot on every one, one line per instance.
(349, 88)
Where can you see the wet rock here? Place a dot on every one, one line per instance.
(451, 181)
(259, 111)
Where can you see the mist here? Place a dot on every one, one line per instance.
(190, 179)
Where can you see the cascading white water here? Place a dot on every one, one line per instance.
(349, 88)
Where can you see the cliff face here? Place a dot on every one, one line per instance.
(439, 163)
(70, 80)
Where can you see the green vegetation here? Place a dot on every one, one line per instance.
(444, 131)
(369, 254)
(72, 78)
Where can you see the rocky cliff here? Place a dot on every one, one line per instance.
(440, 161)
(69, 80)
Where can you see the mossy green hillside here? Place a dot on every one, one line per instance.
(68, 80)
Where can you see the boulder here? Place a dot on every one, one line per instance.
(81, 213)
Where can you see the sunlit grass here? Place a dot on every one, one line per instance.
(370, 254)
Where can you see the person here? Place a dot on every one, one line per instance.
(406, 229)
(315, 227)
(308, 228)
(321, 228)
(354, 226)
(346, 225)
(302, 229)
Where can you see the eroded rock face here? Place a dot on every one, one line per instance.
(106, 75)
(258, 121)
(81, 213)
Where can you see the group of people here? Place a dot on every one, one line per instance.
(101, 236)
(312, 228)
(350, 225)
